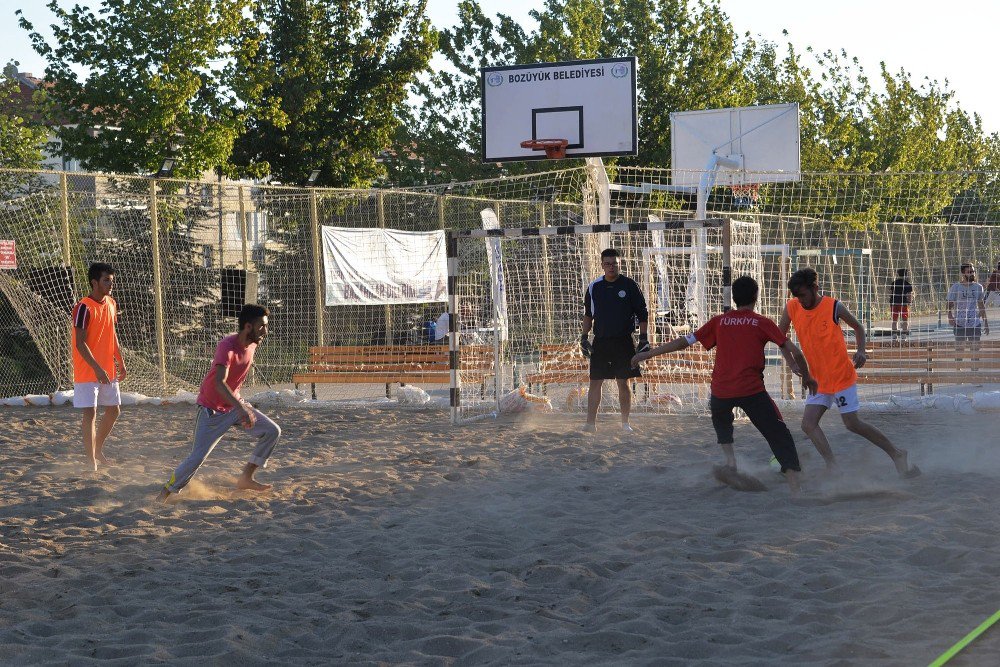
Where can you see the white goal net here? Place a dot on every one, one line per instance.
(188, 254)
(519, 294)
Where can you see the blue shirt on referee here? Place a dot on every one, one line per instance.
(617, 306)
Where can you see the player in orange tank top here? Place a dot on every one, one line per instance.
(96, 352)
(823, 344)
(817, 324)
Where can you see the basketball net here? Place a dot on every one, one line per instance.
(746, 195)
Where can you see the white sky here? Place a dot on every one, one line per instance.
(927, 38)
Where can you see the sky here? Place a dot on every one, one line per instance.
(943, 42)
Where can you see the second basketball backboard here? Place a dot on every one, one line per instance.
(590, 103)
(758, 144)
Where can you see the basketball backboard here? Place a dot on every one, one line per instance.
(761, 139)
(590, 103)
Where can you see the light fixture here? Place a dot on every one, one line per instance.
(166, 168)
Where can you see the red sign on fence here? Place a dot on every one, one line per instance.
(8, 258)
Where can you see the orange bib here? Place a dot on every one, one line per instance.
(823, 345)
(99, 321)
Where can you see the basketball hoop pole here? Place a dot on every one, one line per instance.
(603, 186)
(700, 238)
(708, 179)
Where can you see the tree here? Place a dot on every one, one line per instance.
(689, 58)
(898, 151)
(438, 140)
(20, 140)
(163, 77)
(338, 73)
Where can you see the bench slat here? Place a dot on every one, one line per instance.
(377, 364)
(376, 356)
(377, 368)
(396, 352)
(383, 378)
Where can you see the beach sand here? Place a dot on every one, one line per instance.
(393, 538)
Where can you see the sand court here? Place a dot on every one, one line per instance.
(394, 538)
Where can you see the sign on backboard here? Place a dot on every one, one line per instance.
(590, 103)
(763, 139)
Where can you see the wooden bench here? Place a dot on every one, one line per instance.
(926, 363)
(396, 364)
(565, 364)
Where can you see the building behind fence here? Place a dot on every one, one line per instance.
(188, 254)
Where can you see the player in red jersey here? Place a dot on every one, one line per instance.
(220, 406)
(739, 337)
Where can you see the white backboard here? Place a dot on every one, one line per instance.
(761, 139)
(590, 103)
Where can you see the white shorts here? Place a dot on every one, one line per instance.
(846, 400)
(92, 394)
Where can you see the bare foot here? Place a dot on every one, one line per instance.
(250, 484)
(794, 486)
(104, 459)
(737, 480)
(905, 471)
(830, 471)
(93, 462)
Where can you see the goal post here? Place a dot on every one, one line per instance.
(545, 271)
(660, 262)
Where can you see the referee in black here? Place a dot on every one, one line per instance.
(612, 306)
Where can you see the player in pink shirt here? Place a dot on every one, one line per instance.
(220, 406)
(739, 337)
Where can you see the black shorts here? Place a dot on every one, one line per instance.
(964, 334)
(612, 359)
(764, 414)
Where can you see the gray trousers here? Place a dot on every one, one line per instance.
(209, 427)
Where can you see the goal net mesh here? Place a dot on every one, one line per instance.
(522, 296)
(213, 246)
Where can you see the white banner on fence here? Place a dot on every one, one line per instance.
(495, 256)
(383, 266)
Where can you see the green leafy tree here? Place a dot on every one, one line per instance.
(689, 58)
(899, 151)
(338, 78)
(162, 77)
(439, 138)
(21, 140)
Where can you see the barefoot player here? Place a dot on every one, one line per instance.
(220, 406)
(817, 321)
(95, 352)
(613, 307)
(739, 337)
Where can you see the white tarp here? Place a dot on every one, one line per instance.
(494, 255)
(383, 266)
(662, 280)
